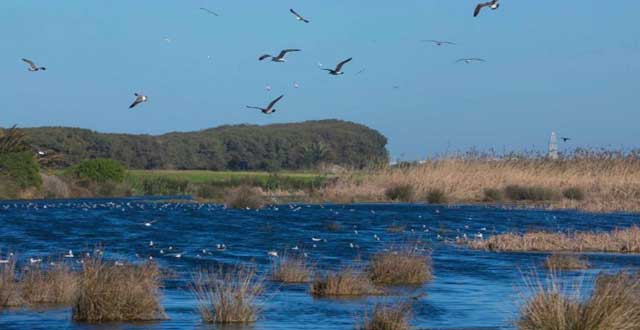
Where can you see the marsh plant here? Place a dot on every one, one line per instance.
(291, 269)
(557, 262)
(403, 265)
(401, 193)
(348, 281)
(388, 317)
(244, 197)
(54, 284)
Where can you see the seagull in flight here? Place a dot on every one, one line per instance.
(469, 60)
(269, 109)
(565, 139)
(139, 99)
(209, 11)
(440, 42)
(493, 4)
(298, 16)
(279, 57)
(33, 66)
(337, 71)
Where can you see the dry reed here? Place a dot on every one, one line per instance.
(244, 197)
(54, 285)
(405, 265)
(291, 269)
(346, 282)
(556, 262)
(388, 317)
(9, 287)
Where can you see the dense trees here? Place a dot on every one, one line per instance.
(239, 147)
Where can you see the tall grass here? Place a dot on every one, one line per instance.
(404, 265)
(9, 287)
(228, 296)
(388, 317)
(244, 197)
(57, 284)
(108, 292)
(291, 269)
(557, 262)
(348, 281)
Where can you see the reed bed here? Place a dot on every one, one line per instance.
(388, 317)
(557, 262)
(406, 265)
(9, 287)
(348, 281)
(244, 197)
(111, 293)
(229, 297)
(619, 241)
(586, 181)
(291, 269)
(57, 284)
(612, 305)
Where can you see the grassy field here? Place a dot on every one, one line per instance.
(201, 176)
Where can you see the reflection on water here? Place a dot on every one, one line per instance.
(471, 289)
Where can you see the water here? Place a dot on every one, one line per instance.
(471, 289)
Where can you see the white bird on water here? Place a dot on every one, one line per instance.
(69, 254)
(316, 239)
(272, 253)
(149, 223)
(35, 261)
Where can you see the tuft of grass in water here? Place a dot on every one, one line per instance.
(619, 241)
(112, 293)
(333, 226)
(388, 317)
(346, 282)
(574, 193)
(401, 193)
(612, 305)
(396, 229)
(436, 196)
(57, 284)
(529, 193)
(9, 287)
(556, 262)
(291, 269)
(493, 195)
(405, 265)
(228, 297)
(244, 197)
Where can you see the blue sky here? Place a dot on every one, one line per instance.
(566, 66)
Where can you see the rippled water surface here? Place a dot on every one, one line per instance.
(471, 289)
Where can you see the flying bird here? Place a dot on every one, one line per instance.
(337, 71)
(469, 60)
(440, 42)
(33, 66)
(139, 99)
(209, 11)
(269, 109)
(493, 4)
(565, 139)
(279, 57)
(298, 16)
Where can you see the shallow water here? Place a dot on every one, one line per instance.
(471, 289)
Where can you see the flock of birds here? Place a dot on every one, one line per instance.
(336, 71)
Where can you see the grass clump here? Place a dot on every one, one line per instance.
(493, 195)
(111, 293)
(388, 317)
(436, 196)
(244, 197)
(574, 193)
(228, 297)
(406, 265)
(565, 262)
(401, 193)
(55, 285)
(525, 193)
(291, 269)
(9, 288)
(612, 305)
(346, 282)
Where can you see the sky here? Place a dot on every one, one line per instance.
(565, 66)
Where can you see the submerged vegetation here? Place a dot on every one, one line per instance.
(557, 262)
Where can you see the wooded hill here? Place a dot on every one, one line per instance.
(292, 146)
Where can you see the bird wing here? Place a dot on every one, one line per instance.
(285, 51)
(136, 102)
(339, 66)
(461, 60)
(477, 59)
(275, 101)
(296, 14)
(257, 108)
(30, 63)
(479, 7)
(209, 11)
(263, 57)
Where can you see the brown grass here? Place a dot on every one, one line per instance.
(9, 287)
(228, 297)
(291, 269)
(619, 240)
(244, 197)
(107, 292)
(346, 282)
(405, 265)
(613, 305)
(556, 262)
(609, 182)
(388, 317)
(54, 285)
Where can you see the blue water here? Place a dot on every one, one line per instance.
(471, 289)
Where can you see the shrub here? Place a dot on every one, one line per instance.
(346, 282)
(56, 285)
(244, 197)
(290, 269)
(388, 317)
(436, 196)
(522, 193)
(400, 266)
(111, 293)
(574, 193)
(210, 190)
(54, 187)
(9, 292)
(99, 170)
(21, 169)
(493, 195)
(565, 262)
(400, 192)
(160, 185)
(228, 297)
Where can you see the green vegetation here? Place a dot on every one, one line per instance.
(18, 168)
(99, 170)
(275, 147)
